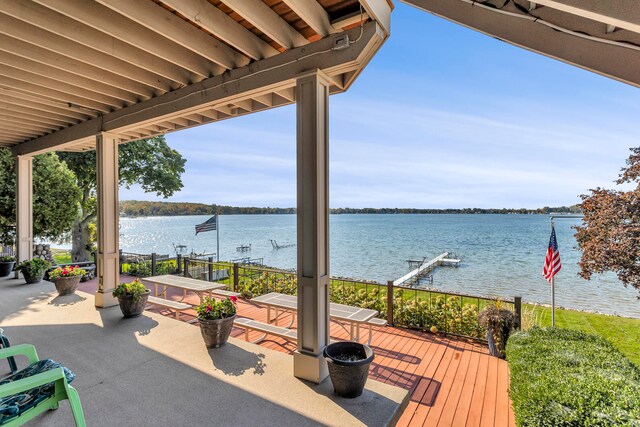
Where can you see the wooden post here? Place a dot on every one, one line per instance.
(108, 217)
(179, 263)
(236, 276)
(210, 272)
(24, 209)
(517, 303)
(154, 263)
(390, 302)
(186, 267)
(312, 108)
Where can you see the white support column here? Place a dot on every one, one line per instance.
(312, 97)
(108, 217)
(24, 208)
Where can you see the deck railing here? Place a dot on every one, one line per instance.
(415, 308)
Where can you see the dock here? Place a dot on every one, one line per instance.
(424, 268)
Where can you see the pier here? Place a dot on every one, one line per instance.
(424, 267)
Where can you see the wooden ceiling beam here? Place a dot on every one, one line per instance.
(27, 124)
(78, 33)
(268, 21)
(223, 26)
(64, 63)
(312, 12)
(27, 65)
(112, 23)
(166, 24)
(8, 107)
(32, 118)
(43, 106)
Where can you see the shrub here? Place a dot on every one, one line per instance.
(567, 378)
(263, 283)
(7, 259)
(211, 309)
(135, 289)
(33, 267)
(67, 271)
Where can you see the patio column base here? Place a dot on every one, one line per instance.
(104, 299)
(310, 367)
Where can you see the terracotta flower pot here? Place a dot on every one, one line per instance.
(216, 332)
(66, 285)
(131, 308)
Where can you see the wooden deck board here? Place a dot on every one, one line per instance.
(453, 382)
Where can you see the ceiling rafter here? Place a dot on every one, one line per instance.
(166, 24)
(268, 21)
(222, 26)
(312, 12)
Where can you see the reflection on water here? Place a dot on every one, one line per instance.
(502, 254)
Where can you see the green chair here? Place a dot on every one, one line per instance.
(33, 390)
(4, 343)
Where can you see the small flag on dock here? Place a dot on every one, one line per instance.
(209, 225)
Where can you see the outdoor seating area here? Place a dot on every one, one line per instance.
(451, 381)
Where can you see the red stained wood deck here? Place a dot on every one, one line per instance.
(453, 382)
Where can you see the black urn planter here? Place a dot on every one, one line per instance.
(6, 268)
(131, 308)
(216, 332)
(31, 279)
(348, 363)
(497, 341)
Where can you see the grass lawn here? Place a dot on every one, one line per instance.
(622, 332)
(62, 256)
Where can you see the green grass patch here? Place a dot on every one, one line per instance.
(562, 377)
(61, 256)
(622, 332)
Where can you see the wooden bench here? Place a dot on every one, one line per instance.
(224, 293)
(268, 329)
(177, 306)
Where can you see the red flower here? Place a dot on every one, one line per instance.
(233, 299)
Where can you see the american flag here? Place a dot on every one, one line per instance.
(209, 225)
(552, 262)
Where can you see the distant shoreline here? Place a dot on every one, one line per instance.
(135, 208)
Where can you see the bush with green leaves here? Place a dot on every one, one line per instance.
(562, 377)
(436, 313)
(7, 259)
(212, 309)
(143, 268)
(258, 284)
(133, 289)
(33, 267)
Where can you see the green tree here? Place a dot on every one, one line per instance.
(610, 235)
(150, 163)
(55, 196)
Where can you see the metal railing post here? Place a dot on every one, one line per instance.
(154, 263)
(517, 303)
(210, 272)
(390, 302)
(186, 267)
(119, 263)
(236, 276)
(179, 264)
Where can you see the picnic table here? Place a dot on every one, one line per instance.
(186, 284)
(355, 316)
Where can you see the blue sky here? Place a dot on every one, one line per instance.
(442, 117)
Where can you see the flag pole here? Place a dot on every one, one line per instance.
(217, 238)
(553, 293)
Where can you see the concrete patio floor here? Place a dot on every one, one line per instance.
(155, 370)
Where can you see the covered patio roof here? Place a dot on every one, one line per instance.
(70, 69)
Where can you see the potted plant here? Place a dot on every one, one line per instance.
(499, 322)
(33, 270)
(66, 279)
(6, 265)
(216, 320)
(132, 297)
(348, 363)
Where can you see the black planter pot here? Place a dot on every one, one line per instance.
(216, 332)
(131, 308)
(6, 268)
(497, 348)
(33, 279)
(348, 377)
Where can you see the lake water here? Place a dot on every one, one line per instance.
(502, 255)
